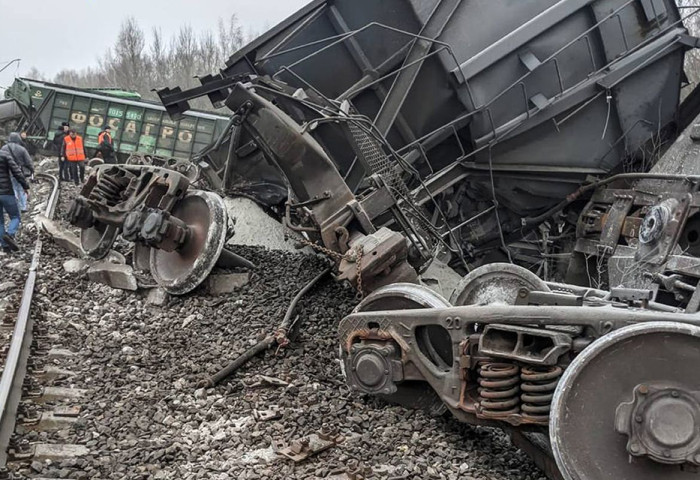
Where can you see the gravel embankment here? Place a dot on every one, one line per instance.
(145, 417)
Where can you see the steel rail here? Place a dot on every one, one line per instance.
(15, 367)
(537, 447)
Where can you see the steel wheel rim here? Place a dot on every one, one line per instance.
(141, 257)
(182, 271)
(571, 378)
(97, 240)
(474, 284)
(412, 296)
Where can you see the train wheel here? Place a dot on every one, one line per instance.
(495, 283)
(97, 240)
(402, 296)
(182, 270)
(409, 296)
(628, 407)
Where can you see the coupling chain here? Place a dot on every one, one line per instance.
(359, 252)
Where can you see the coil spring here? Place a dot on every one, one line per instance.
(107, 189)
(538, 388)
(499, 388)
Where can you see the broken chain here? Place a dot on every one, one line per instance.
(357, 258)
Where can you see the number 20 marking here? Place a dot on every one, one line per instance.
(453, 323)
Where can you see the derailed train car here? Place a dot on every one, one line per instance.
(139, 128)
(524, 143)
(519, 113)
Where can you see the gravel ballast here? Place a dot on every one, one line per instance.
(145, 417)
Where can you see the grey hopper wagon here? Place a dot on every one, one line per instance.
(523, 106)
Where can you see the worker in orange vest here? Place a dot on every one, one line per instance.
(74, 152)
(105, 144)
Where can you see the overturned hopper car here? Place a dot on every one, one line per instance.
(474, 108)
(527, 144)
(138, 127)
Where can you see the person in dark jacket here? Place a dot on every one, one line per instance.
(19, 154)
(31, 148)
(58, 137)
(9, 170)
(106, 144)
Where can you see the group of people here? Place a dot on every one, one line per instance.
(72, 154)
(17, 169)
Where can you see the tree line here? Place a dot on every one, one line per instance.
(141, 62)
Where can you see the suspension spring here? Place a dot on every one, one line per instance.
(499, 388)
(538, 385)
(109, 190)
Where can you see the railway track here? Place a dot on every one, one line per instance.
(20, 341)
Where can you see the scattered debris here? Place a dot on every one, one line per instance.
(228, 283)
(63, 238)
(76, 265)
(265, 381)
(20, 266)
(113, 275)
(305, 447)
(157, 297)
(126, 429)
(272, 413)
(281, 337)
(79, 328)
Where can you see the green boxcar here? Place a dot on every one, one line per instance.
(137, 126)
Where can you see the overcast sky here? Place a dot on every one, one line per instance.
(52, 35)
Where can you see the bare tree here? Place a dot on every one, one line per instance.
(35, 74)
(142, 63)
(159, 59)
(128, 60)
(184, 53)
(89, 77)
(70, 77)
(231, 36)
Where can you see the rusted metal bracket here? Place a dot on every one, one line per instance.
(273, 413)
(613, 223)
(313, 444)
